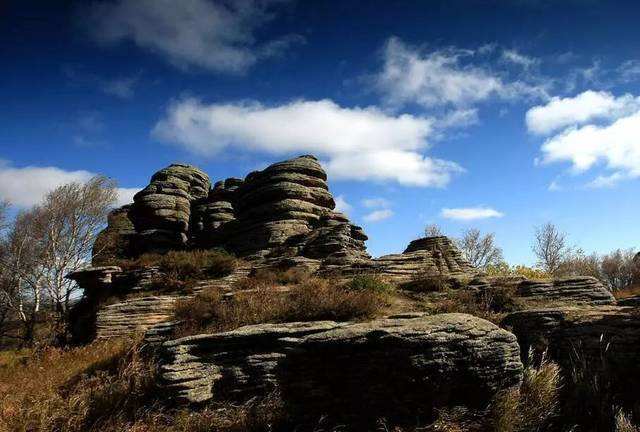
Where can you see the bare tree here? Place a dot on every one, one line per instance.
(48, 242)
(550, 247)
(619, 269)
(432, 230)
(480, 250)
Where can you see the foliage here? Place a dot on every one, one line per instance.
(504, 269)
(480, 250)
(44, 244)
(490, 303)
(550, 247)
(428, 280)
(314, 299)
(369, 282)
(432, 230)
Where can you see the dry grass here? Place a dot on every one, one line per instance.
(77, 389)
(624, 423)
(490, 303)
(184, 265)
(314, 299)
(427, 281)
(632, 291)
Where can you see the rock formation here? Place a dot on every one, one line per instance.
(388, 367)
(580, 289)
(161, 211)
(429, 256)
(116, 240)
(603, 342)
(283, 211)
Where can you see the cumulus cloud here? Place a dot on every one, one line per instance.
(27, 186)
(616, 145)
(214, 35)
(342, 205)
(590, 105)
(470, 213)
(441, 78)
(356, 143)
(378, 215)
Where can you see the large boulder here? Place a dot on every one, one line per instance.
(389, 367)
(161, 211)
(571, 290)
(600, 343)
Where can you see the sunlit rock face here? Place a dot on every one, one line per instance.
(283, 211)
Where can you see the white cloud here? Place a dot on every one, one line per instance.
(357, 143)
(125, 195)
(470, 213)
(27, 186)
(572, 111)
(342, 205)
(616, 145)
(440, 78)
(376, 203)
(378, 215)
(515, 57)
(218, 36)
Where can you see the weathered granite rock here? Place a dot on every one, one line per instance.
(162, 210)
(380, 368)
(604, 339)
(210, 214)
(573, 290)
(115, 241)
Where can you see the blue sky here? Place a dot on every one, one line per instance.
(499, 115)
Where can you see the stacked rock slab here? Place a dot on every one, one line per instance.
(161, 212)
(210, 214)
(286, 210)
(428, 256)
(388, 367)
(581, 289)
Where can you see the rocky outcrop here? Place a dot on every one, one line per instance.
(115, 241)
(135, 315)
(212, 213)
(388, 367)
(600, 343)
(428, 256)
(161, 211)
(572, 290)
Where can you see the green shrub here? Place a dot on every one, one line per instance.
(369, 282)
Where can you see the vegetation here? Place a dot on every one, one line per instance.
(45, 243)
(480, 250)
(312, 299)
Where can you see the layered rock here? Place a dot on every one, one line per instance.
(135, 315)
(212, 213)
(601, 343)
(161, 211)
(428, 256)
(580, 289)
(388, 367)
(115, 241)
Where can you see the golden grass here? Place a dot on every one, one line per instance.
(313, 299)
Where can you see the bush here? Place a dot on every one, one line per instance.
(503, 269)
(428, 281)
(315, 299)
(368, 282)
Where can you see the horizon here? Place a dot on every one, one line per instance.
(466, 114)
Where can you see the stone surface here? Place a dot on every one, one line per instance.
(605, 338)
(572, 290)
(115, 241)
(386, 367)
(134, 315)
(161, 211)
(429, 256)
